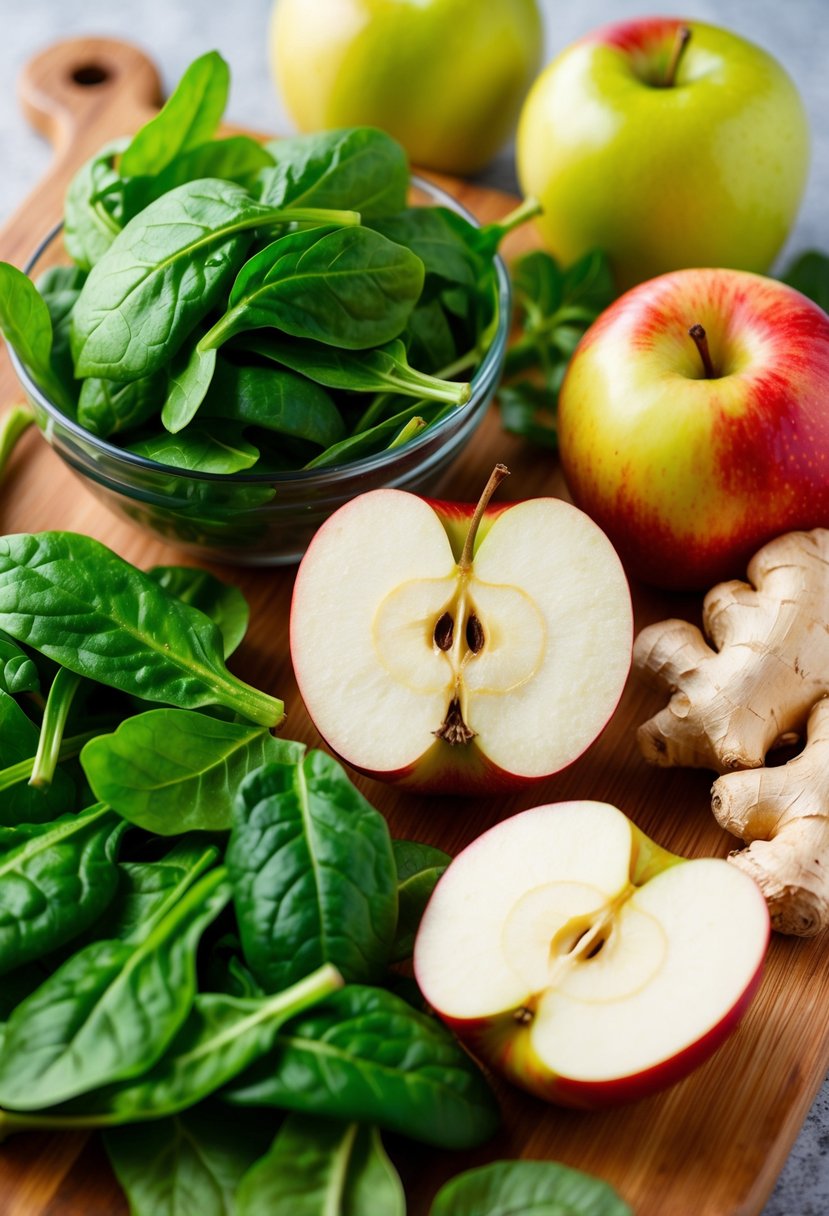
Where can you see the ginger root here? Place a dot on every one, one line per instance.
(767, 666)
(763, 682)
(783, 815)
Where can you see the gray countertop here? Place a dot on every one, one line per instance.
(175, 31)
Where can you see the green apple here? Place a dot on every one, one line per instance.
(444, 77)
(664, 150)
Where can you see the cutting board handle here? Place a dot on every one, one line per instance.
(88, 85)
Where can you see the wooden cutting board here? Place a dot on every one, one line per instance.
(713, 1144)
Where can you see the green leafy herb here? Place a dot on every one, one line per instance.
(106, 407)
(212, 448)
(419, 866)
(237, 159)
(223, 603)
(17, 671)
(55, 880)
(89, 226)
(531, 1188)
(74, 600)
(350, 288)
(364, 1055)
(171, 771)
(359, 167)
(554, 308)
(188, 1165)
(164, 272)
(809, 273)
(320, 1168)
(189, 117)
(27, 327)
(275, 400)
(313, 874)
(110, 1011)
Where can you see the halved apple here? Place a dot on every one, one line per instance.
(460, 648)
(583, 961)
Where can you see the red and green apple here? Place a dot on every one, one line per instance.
(460, 648)
(584, 962)
(693, 423)
(666, 144)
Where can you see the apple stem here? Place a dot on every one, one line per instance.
(495, 478)
(701, 342)
(681, 40)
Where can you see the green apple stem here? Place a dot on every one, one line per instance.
(681, 40)
(701, 342)
(496, 477)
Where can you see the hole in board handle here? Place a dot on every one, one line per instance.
(90, 74)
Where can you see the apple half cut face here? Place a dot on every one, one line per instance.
(583, 961)
(457, 673)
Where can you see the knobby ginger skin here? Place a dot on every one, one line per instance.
(763, 676)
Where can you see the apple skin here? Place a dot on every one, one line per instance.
(709, 172)
(689, 476)
(507, 1047)
(510, 1055)
(444, 77)
(463, 771)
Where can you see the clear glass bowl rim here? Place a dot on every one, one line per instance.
(480, 384)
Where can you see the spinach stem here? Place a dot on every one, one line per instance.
(58, 704)
(15, 422)
(23, 769)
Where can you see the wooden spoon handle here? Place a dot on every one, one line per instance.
(79, 94)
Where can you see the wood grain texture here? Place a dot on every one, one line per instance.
(711, 1146)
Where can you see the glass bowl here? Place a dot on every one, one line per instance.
(260, 518)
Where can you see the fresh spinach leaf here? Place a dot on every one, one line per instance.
(376, 438)
(190, 116)
(106, 407)
(212, 448)
(60, 287)
(191, 375)
(55, 880)
(419, 866)
(237, 159)
(223, 603)
(809, 274)
(147, 890)
(17, 671)
(358, 167)
(317, 1167)
(89, 226)
(275, 400)
(163, 274)
(188, 1165)
(26, 325)
(350, 288)
(171, 771)
(222, 1036)
(385, 369)
(529, 410)
(110, 1011)
(74, 600)
(365, 1056)
(313, 874)
(436, 235)
(21, 803)
(429, 339)
(531, 1188)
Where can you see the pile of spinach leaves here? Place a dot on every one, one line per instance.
(235, 306)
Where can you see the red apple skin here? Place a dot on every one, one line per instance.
(443, 769)
(498, 1043)
(689, 476)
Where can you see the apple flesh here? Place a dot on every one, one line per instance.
(585, 963)
(689, 473)
(700, 165)
(456, 673)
